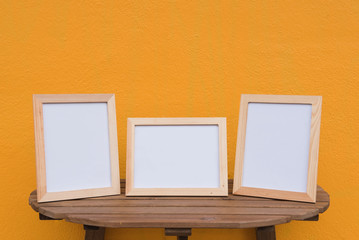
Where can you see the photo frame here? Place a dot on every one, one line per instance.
(278, 146)
(176, 157)
(76, 146)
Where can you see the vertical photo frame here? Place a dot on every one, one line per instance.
(278, 146)
(76, 146)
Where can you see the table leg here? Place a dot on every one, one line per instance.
(182, 237)
(266, 233)
(94, 233)
(181, 233)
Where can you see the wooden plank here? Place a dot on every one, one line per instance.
(177, 221)
(321, 197)
(320, 200)
(186, 203)
(181, 203)
(181, 212)
(296, 214)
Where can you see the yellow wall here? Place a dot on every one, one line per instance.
(180, 58)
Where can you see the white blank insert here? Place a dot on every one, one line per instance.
(77, 149)
(176, 156)
(277, 146)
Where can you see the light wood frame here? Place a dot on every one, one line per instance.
(38, 101)
(310, 195)
(223, 186)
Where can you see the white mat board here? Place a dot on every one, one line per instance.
(277, 146)
(176, 156)
(77, 151)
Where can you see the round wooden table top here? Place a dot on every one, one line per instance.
(181, 212)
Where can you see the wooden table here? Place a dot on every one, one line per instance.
(178, 215)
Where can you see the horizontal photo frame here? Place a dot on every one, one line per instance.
(176, 157)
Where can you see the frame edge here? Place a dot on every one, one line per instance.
(316, 101)
(222, 190)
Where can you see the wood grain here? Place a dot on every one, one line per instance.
(181, 212)
(179, 221)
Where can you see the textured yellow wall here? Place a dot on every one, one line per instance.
(180, 59)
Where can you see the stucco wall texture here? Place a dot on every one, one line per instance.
(180, 59)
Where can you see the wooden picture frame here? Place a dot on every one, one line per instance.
(255, 167)
(67, 126)
(151, 131)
